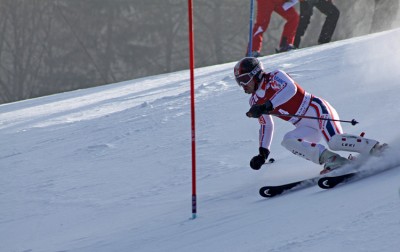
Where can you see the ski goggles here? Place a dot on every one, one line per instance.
(244, 79)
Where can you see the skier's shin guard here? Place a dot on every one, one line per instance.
(347, 142)
(304, 149)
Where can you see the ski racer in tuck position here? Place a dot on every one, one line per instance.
(278, 94)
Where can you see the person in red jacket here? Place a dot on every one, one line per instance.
(265, 8)
(276, 93)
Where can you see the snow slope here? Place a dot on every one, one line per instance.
(109, 168)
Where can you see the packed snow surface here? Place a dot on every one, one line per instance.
(109, 168)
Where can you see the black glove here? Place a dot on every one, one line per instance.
(257, 110)
(257, 161)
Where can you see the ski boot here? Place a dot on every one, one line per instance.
(256, 54)
(285, 46)
(331, 161)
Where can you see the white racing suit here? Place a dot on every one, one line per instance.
(287, 97)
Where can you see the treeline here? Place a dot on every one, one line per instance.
(52, 46)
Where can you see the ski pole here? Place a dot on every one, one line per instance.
(249, 52)
(353, 121)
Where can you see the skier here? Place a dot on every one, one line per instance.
(277, 93)
(306, 11)
(265, 8)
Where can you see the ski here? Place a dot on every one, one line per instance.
(272, 191)
(329, 182)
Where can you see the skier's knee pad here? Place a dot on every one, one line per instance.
(347, 142)
(304, 149)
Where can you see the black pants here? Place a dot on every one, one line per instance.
(306, 11)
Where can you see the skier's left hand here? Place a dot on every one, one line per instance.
(258, 109)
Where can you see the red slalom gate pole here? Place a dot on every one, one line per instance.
(192, 108)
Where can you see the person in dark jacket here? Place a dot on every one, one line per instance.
(306, 11)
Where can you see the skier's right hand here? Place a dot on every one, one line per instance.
(258, 109)
(257, 161)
